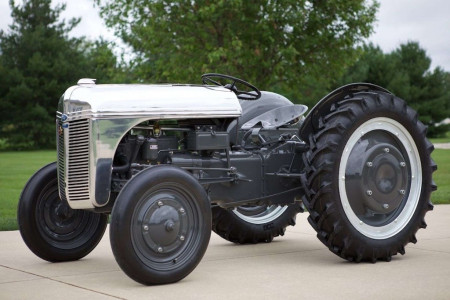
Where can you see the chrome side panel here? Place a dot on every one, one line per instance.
(105, 113)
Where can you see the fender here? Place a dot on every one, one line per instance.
(323, 106)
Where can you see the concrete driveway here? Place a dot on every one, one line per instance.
(296, 266)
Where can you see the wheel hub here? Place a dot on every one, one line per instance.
(383, 176)
(63, 211)
(58, 217)
(380, 178)
(377, 177)
(164, 225)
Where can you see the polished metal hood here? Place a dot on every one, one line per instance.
(89, 100)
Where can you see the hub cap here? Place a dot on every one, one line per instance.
(380, 178)
(60, 225)
(162, 227)
(164, 224)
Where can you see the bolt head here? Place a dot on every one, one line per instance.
(369, 164)
(386, 150)
(145, 227)
(402, 192)
(182, 238)
(402, 164)
(182, 210)
(386, 206)
(160, 203)
(160, 249)
(369, 192)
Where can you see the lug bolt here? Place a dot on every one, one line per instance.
(402, 192)
(160, 249)
(369, 192)
(182, 210)
(182, 238)
(369, 164)
(160, 203)
(386, 206)
(145, 227)
(402, 164)
(386, 150)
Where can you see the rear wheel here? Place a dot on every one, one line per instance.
(369, 177)
(253, 224)
(49, 227)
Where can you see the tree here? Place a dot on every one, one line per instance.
(279, 45)
(406, 72)
(102, 64)
(38, 61)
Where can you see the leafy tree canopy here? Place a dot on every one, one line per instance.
(278, 45)
(406, 72)
(38, 62)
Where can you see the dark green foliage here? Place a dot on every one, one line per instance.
(38, 62)
(293, 47)
(406, 72)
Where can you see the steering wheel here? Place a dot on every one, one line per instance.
(253, 94)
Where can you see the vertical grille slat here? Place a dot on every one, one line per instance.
(61, 161)
(76, 158)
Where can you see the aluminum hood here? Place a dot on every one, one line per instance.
(139, 100)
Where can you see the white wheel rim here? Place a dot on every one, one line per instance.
(401, 133)
(271, 213)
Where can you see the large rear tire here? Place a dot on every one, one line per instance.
(49, 227)
(369, 177)
(253, 224)
(160, 225)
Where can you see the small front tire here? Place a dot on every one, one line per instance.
(49, 227)
(160, 225)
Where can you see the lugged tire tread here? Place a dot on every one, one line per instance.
(230, 227)
(321, 158)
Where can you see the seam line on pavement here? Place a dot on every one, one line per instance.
(259, 255)
(66, 283)
(429, 250)
(438, 238)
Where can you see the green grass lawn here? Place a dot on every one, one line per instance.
(17, 167)
(441, 176)
(445, 139)
(15, 170)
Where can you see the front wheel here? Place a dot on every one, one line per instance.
(369, 177)
(49, 227)
(160, 225)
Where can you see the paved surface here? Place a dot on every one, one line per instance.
(442, 145)
(296, 266)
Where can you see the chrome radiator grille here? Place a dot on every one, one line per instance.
(77, 160)
(61, 160)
